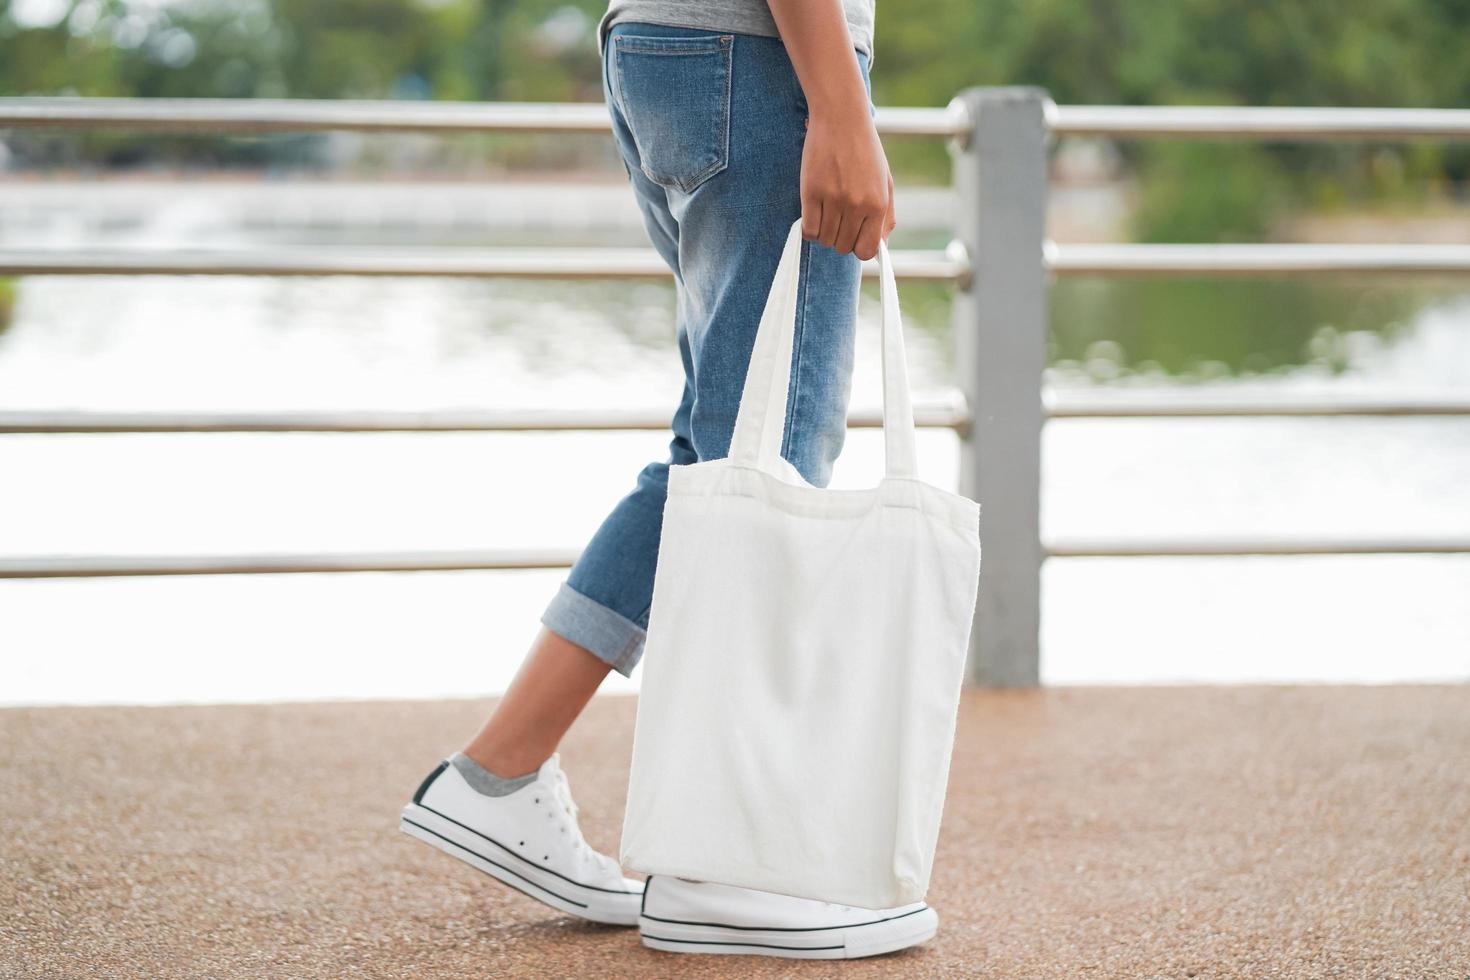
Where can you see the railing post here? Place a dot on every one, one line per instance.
(1000, 177)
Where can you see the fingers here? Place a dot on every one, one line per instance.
(832, 216)
(890, 219)
(848, 232)
(811, 217)
(875, 228)
(848, 226)
(866, 245)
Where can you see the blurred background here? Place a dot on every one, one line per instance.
(260, 344)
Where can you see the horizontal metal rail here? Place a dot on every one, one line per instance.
(117, 566)
(361, 115)
(1257, 123)
(946, 415)
(124, 566)
(942, 416)
(1227, 548)
(1070, 406)
(529, 263)
(949, 265)
(364, 115)
(1214, 261)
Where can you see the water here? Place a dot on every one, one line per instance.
(256, 344)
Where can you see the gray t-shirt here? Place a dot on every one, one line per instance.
(738, 16)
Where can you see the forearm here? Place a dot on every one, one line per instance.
(846, 189)
(821, 50)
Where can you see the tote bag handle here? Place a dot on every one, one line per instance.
(760, 423)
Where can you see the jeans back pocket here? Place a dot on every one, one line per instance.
(674, 94)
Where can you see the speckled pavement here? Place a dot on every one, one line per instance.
(1199, 832)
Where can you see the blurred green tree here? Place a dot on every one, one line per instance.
(1295, 52)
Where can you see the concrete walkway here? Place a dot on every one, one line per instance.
(1263, 832)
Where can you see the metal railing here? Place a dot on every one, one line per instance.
(998, 263)
(547, 262)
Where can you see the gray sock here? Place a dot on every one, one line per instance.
(484, 781)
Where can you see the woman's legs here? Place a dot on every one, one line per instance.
(710, 127)
(550, 690)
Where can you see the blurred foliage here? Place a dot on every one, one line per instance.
(446, 49)
(1105, 329)
(7, 303)
(1296, 52)
(1204, 52)
(1207, 192)
(1145, 330)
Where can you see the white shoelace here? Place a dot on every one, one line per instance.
(563, 792)
(564, 796)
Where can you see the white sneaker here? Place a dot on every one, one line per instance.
(528, 840)
(683, 916)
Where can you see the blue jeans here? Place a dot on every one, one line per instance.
(710, 127)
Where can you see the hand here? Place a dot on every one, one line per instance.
(846, 187)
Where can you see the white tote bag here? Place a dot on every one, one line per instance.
(805, 654)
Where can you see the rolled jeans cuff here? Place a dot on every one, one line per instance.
(610, 636)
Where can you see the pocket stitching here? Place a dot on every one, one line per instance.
(682, 45)
(724, 49)
(668, 52)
